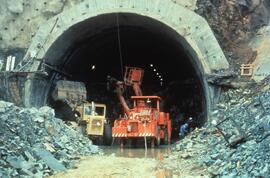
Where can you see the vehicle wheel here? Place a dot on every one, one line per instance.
(153, 142)
(158, 141)
(121, 143)
(158, 136)
(165, 139)
(107, 135)
(133, 142)
(98, 141)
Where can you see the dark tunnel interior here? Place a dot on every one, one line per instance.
(169, 70)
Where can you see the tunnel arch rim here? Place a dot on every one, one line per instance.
(181, 40)
(210, 57)
(205, 65)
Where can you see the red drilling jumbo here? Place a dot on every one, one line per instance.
(144, 120)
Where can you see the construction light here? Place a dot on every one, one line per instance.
(151, 65)
(154, 70)
(159, 76)
(161, 79)
(157, 73)
(93, 67)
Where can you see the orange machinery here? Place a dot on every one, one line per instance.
(145, 118)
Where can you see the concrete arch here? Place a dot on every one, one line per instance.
(192, 27)
(196, 36)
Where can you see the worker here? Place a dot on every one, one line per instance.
(183, 130)
(187, 127)
(88, 110)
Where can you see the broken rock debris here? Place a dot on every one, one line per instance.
(250, 109)
(33, 143)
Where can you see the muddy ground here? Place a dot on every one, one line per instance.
(156, 163)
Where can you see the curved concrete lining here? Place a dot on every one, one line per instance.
(193, 31)
(193, 28)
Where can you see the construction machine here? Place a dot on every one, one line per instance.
(89, 115)
(144, 119)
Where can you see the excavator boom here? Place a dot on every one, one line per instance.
(133, 77)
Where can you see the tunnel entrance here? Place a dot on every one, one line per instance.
(105, 44)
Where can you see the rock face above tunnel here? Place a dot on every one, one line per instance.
(20, 20)
(197, 35)
(261, 43)
(243, 28)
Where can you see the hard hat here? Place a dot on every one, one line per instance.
(214, 122)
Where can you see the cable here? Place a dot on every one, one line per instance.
(120, 49)
(119, 44)
(145, 140)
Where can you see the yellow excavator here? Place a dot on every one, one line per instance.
(89, 115)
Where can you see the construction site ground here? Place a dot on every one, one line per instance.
(132, 162)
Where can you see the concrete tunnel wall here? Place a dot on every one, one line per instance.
(196, 36)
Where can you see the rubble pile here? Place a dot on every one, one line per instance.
(251, 156)
(33, 143)
(185, 154)
(251, 114)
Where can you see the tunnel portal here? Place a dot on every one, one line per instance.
(170, 71)
(174, 46)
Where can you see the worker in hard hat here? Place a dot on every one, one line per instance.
(186, 127)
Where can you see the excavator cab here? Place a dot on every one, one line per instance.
(94, 116)
(91, 115)
(98, 127)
